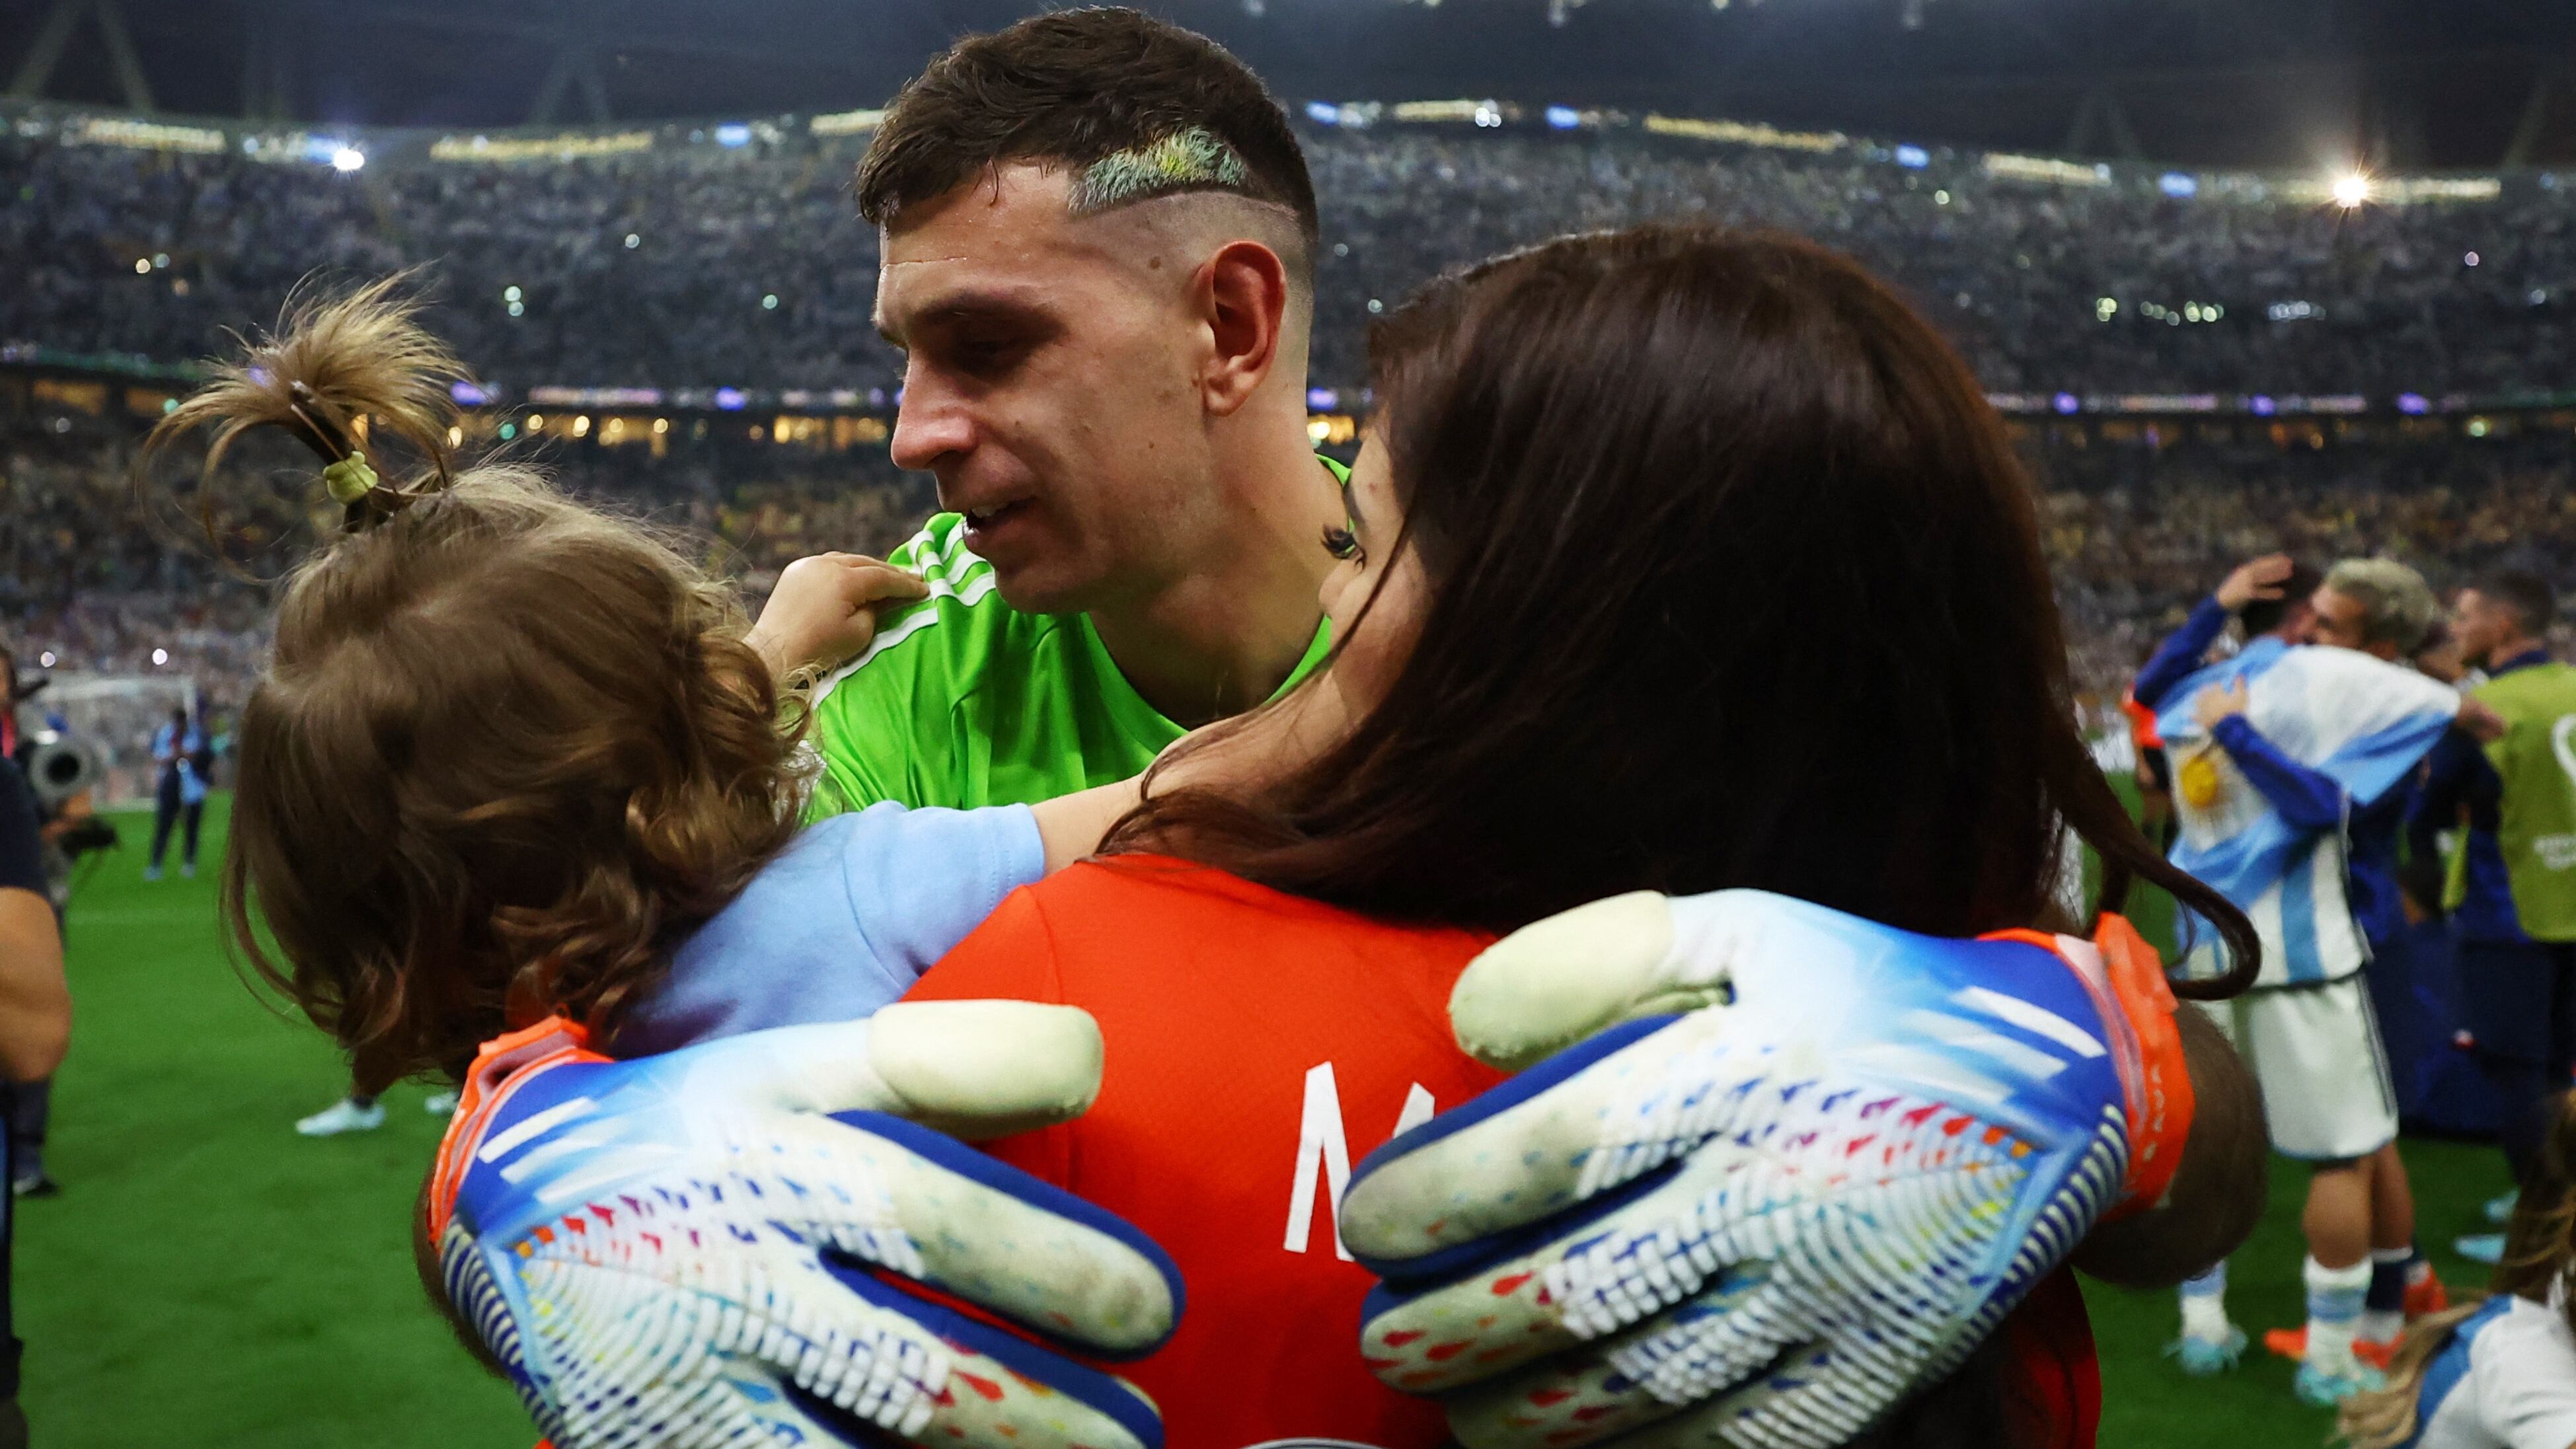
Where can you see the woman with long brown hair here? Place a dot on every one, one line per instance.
(1681, 561)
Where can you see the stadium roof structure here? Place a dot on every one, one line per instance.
(2262, 83)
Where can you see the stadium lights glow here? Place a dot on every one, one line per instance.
(769, 302)
(661, 425)
(536, 422)
(160, 259)
(2351, 189)
(142, 266)
(2470, 260)
(46, 659)
(456, 437)
(2106, 308)
(160, 656)
(510, 294)
(633, 241)
(581, 426)
(348, 158)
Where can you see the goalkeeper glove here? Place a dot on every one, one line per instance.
(1811, 1162)
(687, 1250)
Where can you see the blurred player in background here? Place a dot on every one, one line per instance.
(2514, 902)
(181, 753)
(2386, 610)
(2291, 765)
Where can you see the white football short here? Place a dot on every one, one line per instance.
(2315, 1050)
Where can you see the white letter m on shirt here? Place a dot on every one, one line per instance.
(1324, 1149)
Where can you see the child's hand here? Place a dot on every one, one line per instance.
(824, 610)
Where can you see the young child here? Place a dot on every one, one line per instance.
(2499, 1374)
(513, 756)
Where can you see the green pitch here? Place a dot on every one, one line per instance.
(210, 1279)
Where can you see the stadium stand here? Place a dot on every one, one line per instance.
(2199, 366)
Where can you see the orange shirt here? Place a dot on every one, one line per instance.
(1258, 1044)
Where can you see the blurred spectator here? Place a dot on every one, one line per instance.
(35, 1021)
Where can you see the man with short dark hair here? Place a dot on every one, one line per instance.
(2513, 901)
(1104, 292)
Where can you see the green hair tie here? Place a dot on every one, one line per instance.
(350, 479)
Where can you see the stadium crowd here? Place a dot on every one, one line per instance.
(696, 265)
(104, 574)
(699, 265)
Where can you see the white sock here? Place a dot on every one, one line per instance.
(2204, 1305)
(2334, 1313)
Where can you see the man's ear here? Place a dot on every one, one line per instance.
(1242, 297)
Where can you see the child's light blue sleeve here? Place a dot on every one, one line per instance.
(920, 880)
(841, 923)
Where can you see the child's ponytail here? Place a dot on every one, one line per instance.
(336, 368)
(509, 749)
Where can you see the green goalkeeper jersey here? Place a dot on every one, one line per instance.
(964, 701)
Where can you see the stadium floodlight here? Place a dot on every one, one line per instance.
(2351, 189)
(347, 158)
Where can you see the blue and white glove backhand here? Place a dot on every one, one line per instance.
(1808, 1165)
(710, 1247)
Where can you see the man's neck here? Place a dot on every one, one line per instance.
(1223, 638)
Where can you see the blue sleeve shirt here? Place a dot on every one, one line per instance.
(2181, 653)
(844, 921)
(2304, 797)
(2311, 800)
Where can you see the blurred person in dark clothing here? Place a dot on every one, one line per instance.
(35, 1019)
(181, 750)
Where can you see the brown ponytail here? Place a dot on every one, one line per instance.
(335, 368)
(509, 749)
